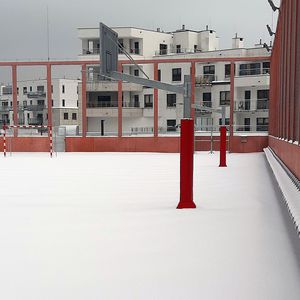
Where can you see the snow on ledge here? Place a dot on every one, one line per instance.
(288, 188)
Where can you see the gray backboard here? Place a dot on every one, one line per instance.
(108, 50)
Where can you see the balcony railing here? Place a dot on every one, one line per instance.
(32, 107)
(254, 72)
(6, 108)
(113, 104)
(251, 105)
(36, 94)
(175, 51)
(205, 79)
(251, 128)
(91, 51)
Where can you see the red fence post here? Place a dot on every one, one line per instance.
(186, 164)
(223, 137)
(4, 140)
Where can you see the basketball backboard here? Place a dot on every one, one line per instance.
(108, 50)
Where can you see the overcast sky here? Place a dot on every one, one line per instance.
(23, 25)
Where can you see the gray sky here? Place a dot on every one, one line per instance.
(23, 22)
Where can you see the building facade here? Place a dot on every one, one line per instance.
(212, 82)
(32, 103)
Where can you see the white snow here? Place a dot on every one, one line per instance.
(104, 226)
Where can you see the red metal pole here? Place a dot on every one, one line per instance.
(120, 104)
(83, 102)
(51, 140)
(232, 88)
(155, 102)
(186, 164)
(223, 137)
(4, 140)
(15, 98)
(49, 94)
(193, 82)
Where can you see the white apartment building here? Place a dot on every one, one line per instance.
(32, 102)
(212, 82)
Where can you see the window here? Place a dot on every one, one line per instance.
(227, 121)
(250, 69)
(30, 89)
(63, 88)
(41, 102)
(266, 67)
(25, 103)
(247, 95)
(148, 101)
(52, 103)
(176, 74)
(159, 75)
(178, 48)
(247, 123)
(209, 70)
(263, 94)
(51, 89)
(171, 125)
(225, 98)
(66, 116)
(195, 48)
(77, 103)
(163, 49)
(17, 91)
(24, 90)
(262, 124)
(171, 100)
(228, 70)
(30, 102)
(74, 116)
(263, 99)
(136, 48)
(40, 88)
(63, 102)
(136, 100)
(136, 72)
(206, 99)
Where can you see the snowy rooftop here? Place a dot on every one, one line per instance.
(104, 226)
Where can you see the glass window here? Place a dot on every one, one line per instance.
(148, 101)
(209, 70)
(225, 98)
(66, 116)
(74, 116)
(171, 100)
(176, 74)
(171, 125)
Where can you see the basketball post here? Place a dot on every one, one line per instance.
(109, 49)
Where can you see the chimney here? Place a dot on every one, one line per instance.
(237, 42)
(183, 27)
(206, 27)
(158, 29)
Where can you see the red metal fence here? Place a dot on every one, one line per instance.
(285, 84)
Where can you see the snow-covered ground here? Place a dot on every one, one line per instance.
(104, 226)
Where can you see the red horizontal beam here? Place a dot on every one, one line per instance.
(139, 61)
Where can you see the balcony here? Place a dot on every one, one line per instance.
(251, 128)
(6, 108)
(112, 86)
(175, 51)
(110, 109)
(251, 105)
(32, 107)
(205, 79)
(38, 94)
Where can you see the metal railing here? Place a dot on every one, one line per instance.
(113, 104)
(251, 105)
(90, 51)
(175, 51)
(205, 79)
(36, 94)
(250, 128)
(254, 72)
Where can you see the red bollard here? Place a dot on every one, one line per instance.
(223, 137)
(186, 164)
